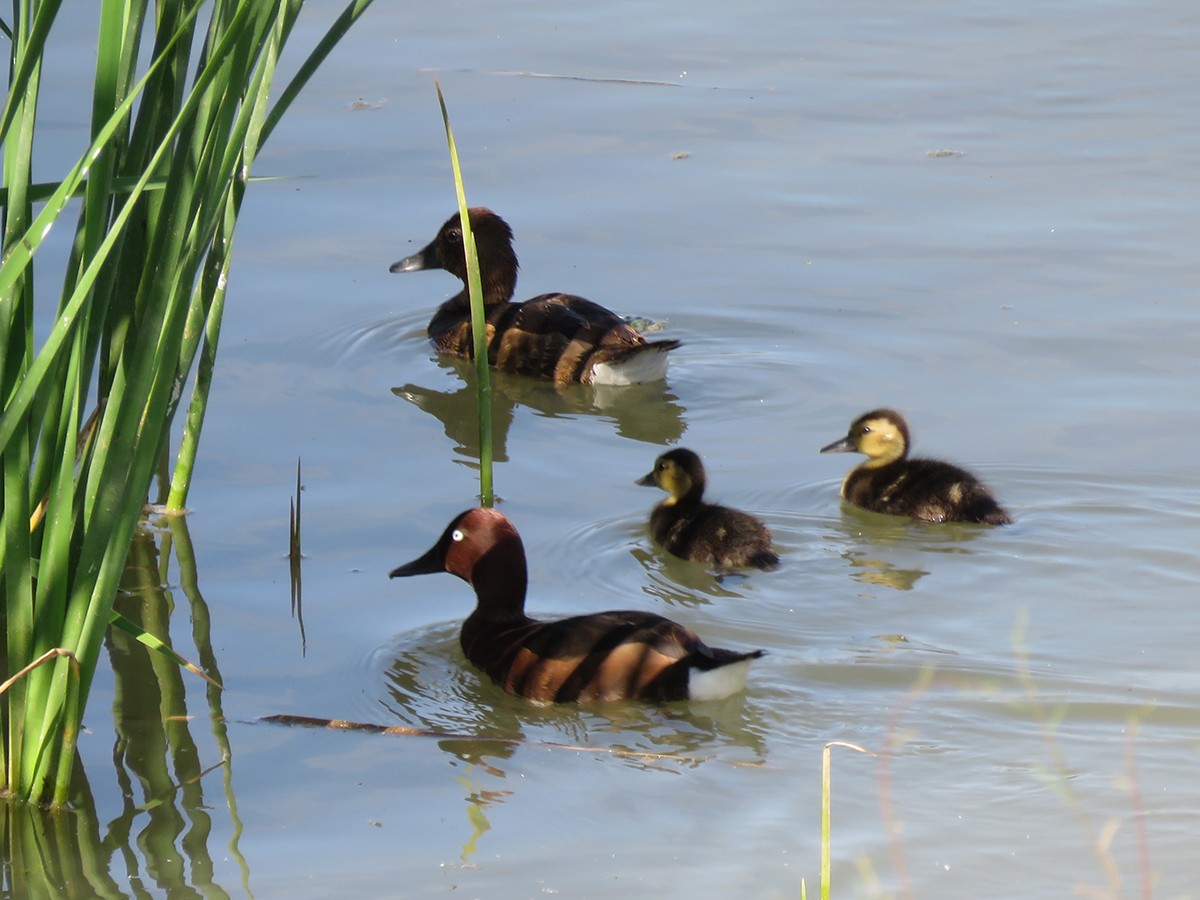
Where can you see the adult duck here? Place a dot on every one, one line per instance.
(892, 482)
(556, 336)
(703, 532)
(623, 655)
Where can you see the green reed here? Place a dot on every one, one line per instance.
(88, 404)
(483, 389)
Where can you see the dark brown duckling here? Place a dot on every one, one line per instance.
(557, 336)
(703, 532)
(890, 482)
(625, 655)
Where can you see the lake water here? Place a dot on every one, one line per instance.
(983, 214)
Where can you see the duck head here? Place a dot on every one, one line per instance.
(881, 434)
(493, 245)
(679, 472)
(482, 547)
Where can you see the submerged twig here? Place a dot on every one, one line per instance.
(372, 728)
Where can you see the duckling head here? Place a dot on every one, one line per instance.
(679, 472)
(493, 246)
(881, 434)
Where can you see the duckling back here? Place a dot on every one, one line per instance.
(926, 489)
(714, 535)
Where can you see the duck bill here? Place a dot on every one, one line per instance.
(425, 259)
(646, 480)
(429, 564)
(842, 446)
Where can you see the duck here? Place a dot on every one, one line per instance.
(600, 657)
(689, 528)
(890, 482)
(559, 337)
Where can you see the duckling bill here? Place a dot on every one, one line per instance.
(890, 482)
(689, 528)
(556, 336)
(620, 655)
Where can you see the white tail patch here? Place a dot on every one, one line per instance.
(649, 365)
(719, 683)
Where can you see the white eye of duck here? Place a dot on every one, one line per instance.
(457, 535)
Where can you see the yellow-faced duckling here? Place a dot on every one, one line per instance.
(703, 532)
(556, 336)
(890, 482)
(625, 655)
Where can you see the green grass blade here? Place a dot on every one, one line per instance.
(478, 321)
(149, 640)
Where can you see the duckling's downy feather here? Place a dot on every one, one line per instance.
(557, 336)
(605, 656)
(703, 532)
(891, 482)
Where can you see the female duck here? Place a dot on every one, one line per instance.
(605, 656)
(703, 532)
(556, 336)
(890, 482)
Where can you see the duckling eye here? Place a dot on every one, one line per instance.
(456, 535)
(454, 235)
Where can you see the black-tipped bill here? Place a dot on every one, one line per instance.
(646, 480)
(432, 562)
(426, 259)
(845, 445)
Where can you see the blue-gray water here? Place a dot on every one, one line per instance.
(984, 214)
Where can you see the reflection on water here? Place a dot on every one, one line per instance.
(430, 684)
(640, 412)
(870, 538)
(680, 582)
(882, 572)
(161, 834)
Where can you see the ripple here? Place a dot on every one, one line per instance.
(376, 336)
(421, 680)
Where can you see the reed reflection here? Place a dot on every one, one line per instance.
(648, 413)
(160, 766)
(160, 836)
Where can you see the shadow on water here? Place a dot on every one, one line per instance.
(160, 835)
(641, 412)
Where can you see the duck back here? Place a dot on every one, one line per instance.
(559, 337)
(620, 655)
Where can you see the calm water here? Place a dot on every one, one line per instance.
(1028, 299)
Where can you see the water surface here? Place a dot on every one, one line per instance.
(982, 214)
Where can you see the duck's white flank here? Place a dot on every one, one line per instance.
(648, 365)
(719, 683)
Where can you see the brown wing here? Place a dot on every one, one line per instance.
(606, 656)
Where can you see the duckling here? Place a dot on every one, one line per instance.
(703, 532)
(625, 655)
(557, 336)
(890, 482)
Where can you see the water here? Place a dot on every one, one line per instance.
(1027, 299)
